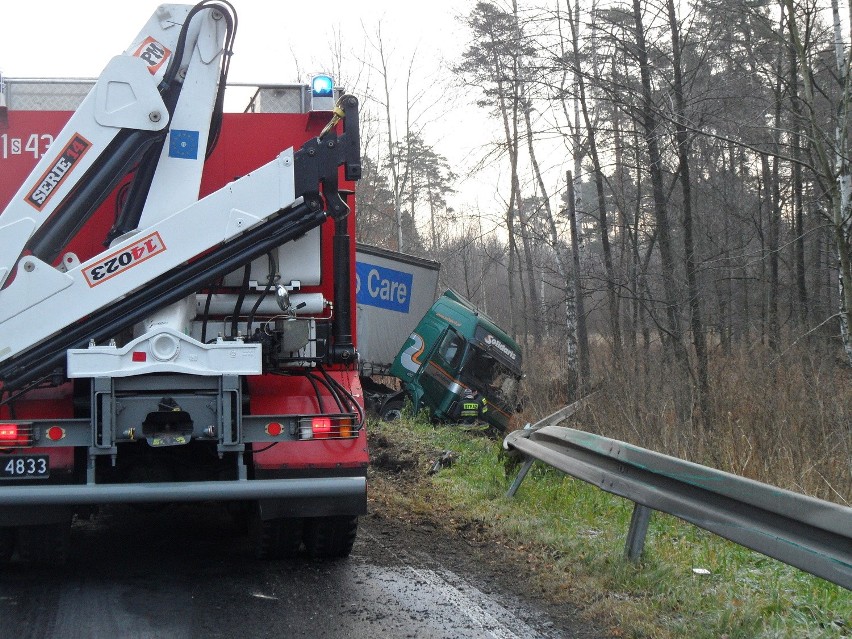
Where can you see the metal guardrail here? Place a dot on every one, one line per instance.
(808, 533)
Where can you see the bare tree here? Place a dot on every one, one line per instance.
(495, 60)
(682, 137)
(831, 149)
(603, 225)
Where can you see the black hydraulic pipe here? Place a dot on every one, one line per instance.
(343, 350)
(49, 355)
(131, 211)
(100, 180)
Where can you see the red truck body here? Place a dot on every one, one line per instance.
(274, 405)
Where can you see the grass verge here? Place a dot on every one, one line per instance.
(690, 583)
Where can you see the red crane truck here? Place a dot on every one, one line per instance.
(176, 297)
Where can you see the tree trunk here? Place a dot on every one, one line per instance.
(624, 235)
(580, 309)
(843, 207)
(689, 247)
(547, 209)
(603, 227)
(533, 311)
(763, 228)
(396, 182)
(674, 336)
(775, 210)
(833, 166)
(798, 188)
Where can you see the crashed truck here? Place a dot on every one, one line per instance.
(177, 308)
(442, 355)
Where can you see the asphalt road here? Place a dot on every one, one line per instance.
(186, 572)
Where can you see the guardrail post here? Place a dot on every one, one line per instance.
(637, 532)
(521, 474)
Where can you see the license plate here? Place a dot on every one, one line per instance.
(24, 466)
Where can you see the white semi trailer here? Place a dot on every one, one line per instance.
(393, 292)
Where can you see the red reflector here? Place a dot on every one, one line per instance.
(140, 356)
(274, 429)
(54, 433)
(8, 432)
(321, 427)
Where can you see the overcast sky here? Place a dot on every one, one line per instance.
(62, 39)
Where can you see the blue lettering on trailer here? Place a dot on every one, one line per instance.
(383, 287)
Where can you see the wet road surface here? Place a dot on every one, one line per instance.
(187, 572)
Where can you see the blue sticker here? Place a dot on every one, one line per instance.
(383, 287)
(183, 144)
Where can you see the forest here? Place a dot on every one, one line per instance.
(686, 263)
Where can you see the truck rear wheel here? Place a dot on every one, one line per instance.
(241, 514)
(330, 537)
(7, 544)
(45, 544)
(275, 538)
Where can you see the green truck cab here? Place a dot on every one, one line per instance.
(460, 365)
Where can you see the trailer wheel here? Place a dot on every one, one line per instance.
(7, 544)
(392, 411)
(330, 537)
(45, 544)
(275, 538)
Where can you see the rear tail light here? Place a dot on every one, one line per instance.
(16, 434)
(323, 427)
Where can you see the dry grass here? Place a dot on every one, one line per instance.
(785, 420)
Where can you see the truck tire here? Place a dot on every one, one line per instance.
(240, 513)
(392, 411)
(45, 544)
(7, 543)
(330, 537)
(275, 538)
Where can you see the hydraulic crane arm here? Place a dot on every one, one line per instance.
(166, 244)
(169, 77)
